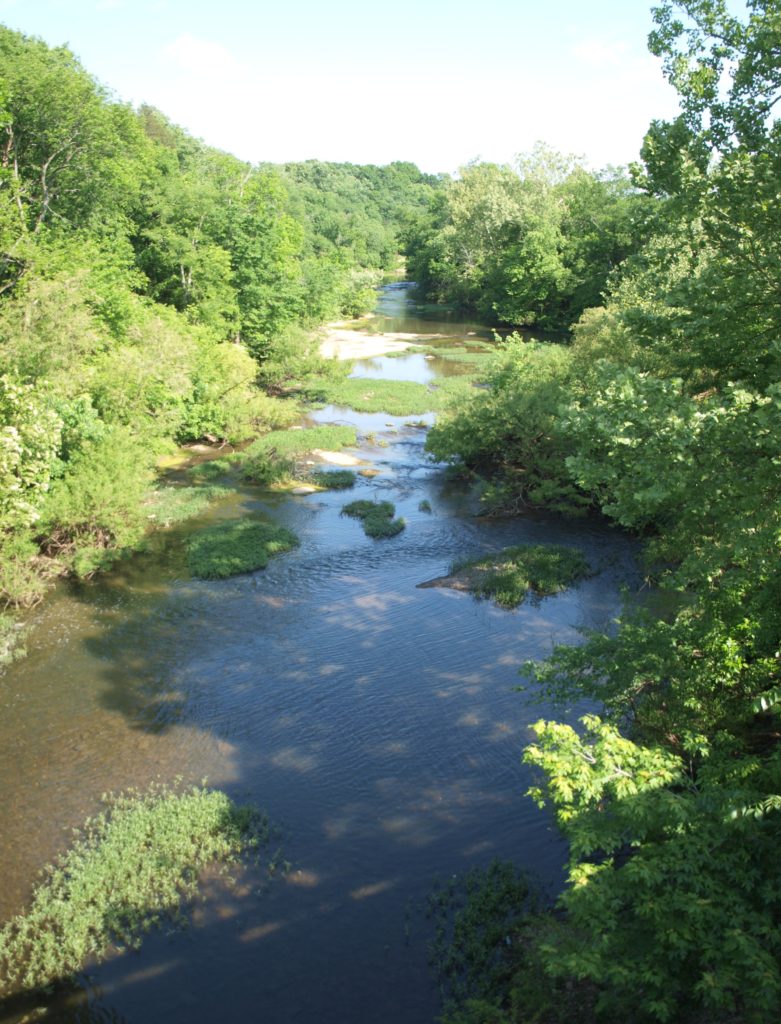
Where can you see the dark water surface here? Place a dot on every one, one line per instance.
(375, 722)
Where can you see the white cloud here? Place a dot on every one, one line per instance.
(199, 56)
(108, 5)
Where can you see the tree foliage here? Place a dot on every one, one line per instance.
(532, 244)
(663, 414)
(152, 289)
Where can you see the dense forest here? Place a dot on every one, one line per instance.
(156, 291)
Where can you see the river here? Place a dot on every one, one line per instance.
(378, 725)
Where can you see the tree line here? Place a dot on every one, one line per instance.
(661, 411)
(153, 290)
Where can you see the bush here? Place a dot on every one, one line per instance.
(511, 433)
(95, 510)
(21, 582)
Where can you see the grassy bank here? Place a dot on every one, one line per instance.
(131, 866)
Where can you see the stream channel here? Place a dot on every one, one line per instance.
(378, 725)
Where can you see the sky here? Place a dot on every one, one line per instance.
(437, 82)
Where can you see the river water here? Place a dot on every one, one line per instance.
(378, 724)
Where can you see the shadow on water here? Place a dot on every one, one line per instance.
(376, 723)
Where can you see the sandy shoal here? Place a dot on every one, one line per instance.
(340, 343)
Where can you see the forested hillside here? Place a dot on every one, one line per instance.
(664, 414)
(152, 290)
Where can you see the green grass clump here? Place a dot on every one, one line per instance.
(509, 575)
(457, 354)
(376, 516)
(288, 443)
(333, 479)
(269, 459)
(231, 548)
(170, 505)
(132, 864)
(393, 397)
(210, 470)
(265, 468)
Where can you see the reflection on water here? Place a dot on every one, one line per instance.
(376, 722)
(398, 309)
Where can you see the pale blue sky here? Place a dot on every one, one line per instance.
(439, 82)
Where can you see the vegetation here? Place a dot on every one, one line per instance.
(269, 459)
(153, 291)
(130, 867)
(376, 516)
(662, 414)
(477, 918)
(169, 505)
(394, 397)
(11, 640)
(509, 575)
(287, 443)
(231, 548)
(147, 285)
(333, 479)
(532, 244)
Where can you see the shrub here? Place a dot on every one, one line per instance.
(21, 584)
(95, 510)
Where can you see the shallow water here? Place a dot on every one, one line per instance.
(377, 723)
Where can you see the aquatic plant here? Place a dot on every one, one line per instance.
(210, 469)
(130, 866)
(333, 479)
(376, 516)
(393, 397)
(287, 443)
(507, 576)
(168, 505)
(489, 925)
(231, 548)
